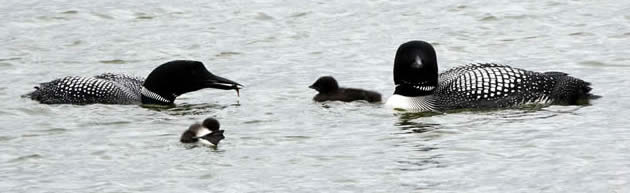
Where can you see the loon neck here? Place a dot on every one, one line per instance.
(409, 90)
(150, 97)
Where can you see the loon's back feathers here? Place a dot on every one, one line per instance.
(129, 81)
(495, 85)
(162, 86)
(482, 85)
(452, 73)
(104, 88)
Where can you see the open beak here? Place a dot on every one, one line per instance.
(221, 83)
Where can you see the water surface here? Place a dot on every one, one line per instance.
(277, 139)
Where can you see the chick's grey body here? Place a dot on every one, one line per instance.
(329, 90)
(207, 133)
(348, 95)
(107, 88)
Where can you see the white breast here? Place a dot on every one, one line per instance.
(203, 131)
(416, 104)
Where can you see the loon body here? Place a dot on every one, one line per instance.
(475, 86)
(206, 133)
(162, 86)
(329, 90)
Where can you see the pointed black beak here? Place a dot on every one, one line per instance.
(417, 63)
(218, 82)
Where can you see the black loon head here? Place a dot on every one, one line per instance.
(175, 78)
(212, 124)
(208, 133)
(415, 69)
(325, 84)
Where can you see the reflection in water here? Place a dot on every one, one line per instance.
(533, 113)
(522, 115)
(573, 110)
(482, 116)
(421, 162)
(423, 137)
(406, 123)
(423, 153)
(472, 118)
(416, 127)
(415, 115)
(194, 145)
(187, 109)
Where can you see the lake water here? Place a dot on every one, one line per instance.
(277, 138)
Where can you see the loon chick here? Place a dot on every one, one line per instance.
(329, 90)
(162, 86)
(207, 133)
(473, 86)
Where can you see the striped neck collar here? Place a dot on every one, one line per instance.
(147, 93)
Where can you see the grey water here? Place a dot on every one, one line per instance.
(277, 138)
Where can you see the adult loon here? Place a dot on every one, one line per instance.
(206, 133)
(162, 86)
(419, 87)
(329, 90)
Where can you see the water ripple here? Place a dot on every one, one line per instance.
(26, 158)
